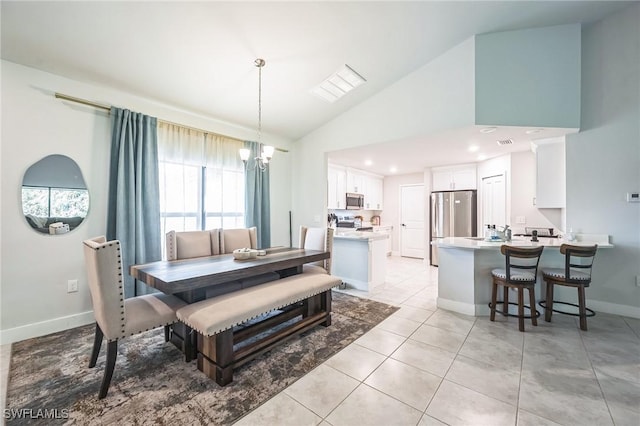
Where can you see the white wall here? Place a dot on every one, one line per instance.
(603, 160)
(36, 267)
(436, 97)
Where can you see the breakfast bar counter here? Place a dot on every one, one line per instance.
(465, 264)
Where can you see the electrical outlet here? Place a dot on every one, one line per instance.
(72, 286)
(521, 220)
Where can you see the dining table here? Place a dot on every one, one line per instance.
(189, 279)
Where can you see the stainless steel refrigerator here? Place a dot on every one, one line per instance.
(453, 214)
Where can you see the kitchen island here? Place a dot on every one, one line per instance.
(465, 264)
(360, 258)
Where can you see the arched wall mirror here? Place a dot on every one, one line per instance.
(55, 199)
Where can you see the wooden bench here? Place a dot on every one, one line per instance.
(304, 300)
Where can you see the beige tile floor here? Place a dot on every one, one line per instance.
(425, 366)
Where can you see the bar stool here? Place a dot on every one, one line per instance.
(576, 273)
(521, 271)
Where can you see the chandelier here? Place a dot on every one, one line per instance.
(266, 152)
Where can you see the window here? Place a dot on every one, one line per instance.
(201, 181)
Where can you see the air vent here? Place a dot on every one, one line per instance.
(505, 142)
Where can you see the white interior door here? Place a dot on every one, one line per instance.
(494, 201)
(412, 221)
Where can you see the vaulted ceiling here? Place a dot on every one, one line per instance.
(199, 56)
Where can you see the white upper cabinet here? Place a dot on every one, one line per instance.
(550, 173)
(455, 178)
(355, 181)
(342, 180)
(373, 193)
(336, 187)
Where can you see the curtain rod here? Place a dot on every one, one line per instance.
(108, 108)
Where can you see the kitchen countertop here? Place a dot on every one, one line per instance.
(360, 235)
(474, 243)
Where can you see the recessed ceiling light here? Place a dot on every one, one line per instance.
(338, 84)
(473, 148)
(488, 130)
(533, 131)
(368, 162)
(393, 169)
(482, 157)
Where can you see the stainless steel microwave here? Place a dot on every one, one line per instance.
(355, 201)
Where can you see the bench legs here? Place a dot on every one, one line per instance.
(217, 358)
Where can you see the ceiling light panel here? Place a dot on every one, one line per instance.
(338, 84)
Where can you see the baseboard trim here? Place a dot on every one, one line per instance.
(43, 328)
(455, 306)
(614, 308)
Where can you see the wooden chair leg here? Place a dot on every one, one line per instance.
(582, 309)
(520, 309)
(548, 309)
(532, 303)
(505, 300)
(494, 295)
(112, 352)
(97, 343)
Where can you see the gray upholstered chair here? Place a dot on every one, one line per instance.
(317, 239)
(189, 244)
(117, 317)
(232, 239)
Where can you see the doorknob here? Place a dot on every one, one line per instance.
(402, 224)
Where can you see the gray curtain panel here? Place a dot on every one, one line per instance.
(257, 200)
(133, 213)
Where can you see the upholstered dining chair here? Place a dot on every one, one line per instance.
(189, 244)
(232, 239)
(117, 317)
(317, 239)
(576, 273)
(520, 272)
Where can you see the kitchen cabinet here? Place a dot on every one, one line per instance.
(454, 178)
(373, 193)
(550, 173)
(355, 181)
(336, 187)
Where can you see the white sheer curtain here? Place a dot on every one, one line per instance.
(201, 180)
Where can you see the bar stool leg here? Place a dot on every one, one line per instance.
(582, 308)
(505, 298)
(494, 295)
(532, 303)
(520, 309)
(549, 305)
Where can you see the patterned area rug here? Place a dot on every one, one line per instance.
(153, 385)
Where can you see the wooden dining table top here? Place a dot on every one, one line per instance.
(179, 276)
